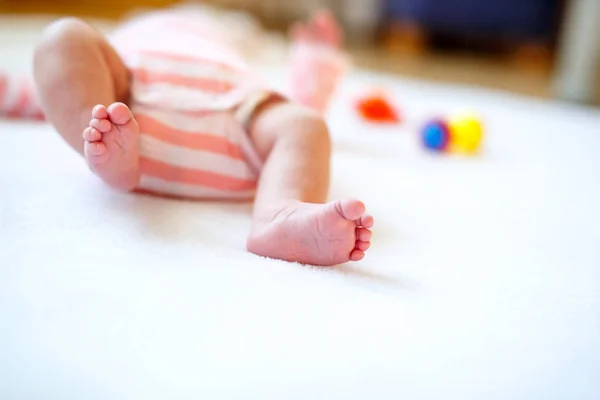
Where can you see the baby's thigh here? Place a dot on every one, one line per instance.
(72, 48)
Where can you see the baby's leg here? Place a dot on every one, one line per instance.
(75, 70)
(291, 220)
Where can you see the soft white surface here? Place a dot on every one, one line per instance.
(483, 281)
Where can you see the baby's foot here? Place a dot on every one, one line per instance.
(316, 234)
(317, 63)
(111, 146)
(322, 29)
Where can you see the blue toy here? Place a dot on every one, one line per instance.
(436, 135)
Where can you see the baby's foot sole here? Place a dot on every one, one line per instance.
(316, 234)
(111, 146)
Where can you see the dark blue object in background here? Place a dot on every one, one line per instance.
(518, 19)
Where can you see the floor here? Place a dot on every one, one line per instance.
(475, 70)
(482, 282)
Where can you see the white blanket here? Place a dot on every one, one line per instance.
(483, 281)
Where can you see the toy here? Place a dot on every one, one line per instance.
(460, 133)
(436, 135)
(466, 133)
(375, 107)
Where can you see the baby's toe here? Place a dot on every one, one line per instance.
(366, 221)
(363, 246)
(91, 134)
(99, 112)
(95, 151)
(350, 209)
(324, 24)
(102, 125)
(364, 235)
(357, 255)
(119, 113)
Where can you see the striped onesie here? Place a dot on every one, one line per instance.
(193, 97)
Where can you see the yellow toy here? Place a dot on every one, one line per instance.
(466, 133)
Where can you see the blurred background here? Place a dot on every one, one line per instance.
(542, 48)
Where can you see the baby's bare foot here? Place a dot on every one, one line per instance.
(321, 29)
(317, 62)
(111, 146)
(316, 234)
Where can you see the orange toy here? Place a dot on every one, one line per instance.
(376, 107)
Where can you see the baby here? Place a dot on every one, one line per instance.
(166, 106)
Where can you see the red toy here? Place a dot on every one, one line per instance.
(376, 107)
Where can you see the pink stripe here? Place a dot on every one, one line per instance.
(190, 140)
(205, 84)
(212, 180)
(3, 89)
(24, 99)
(185, 58)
